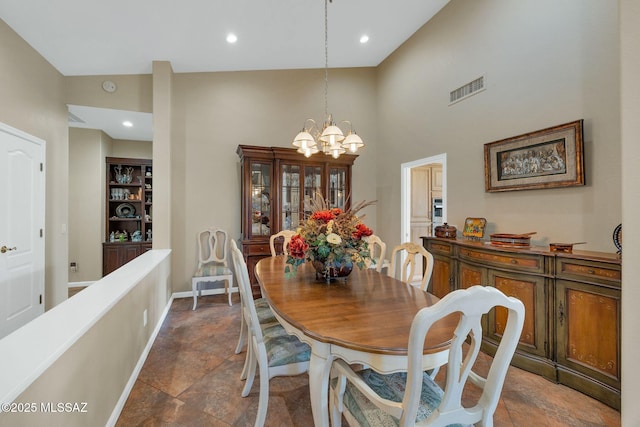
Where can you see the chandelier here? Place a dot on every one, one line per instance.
(330, 139)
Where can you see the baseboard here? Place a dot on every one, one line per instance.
(215, 291)
(115, 414)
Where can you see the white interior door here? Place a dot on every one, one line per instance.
(22, 216)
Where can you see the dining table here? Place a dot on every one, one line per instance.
(364, 318)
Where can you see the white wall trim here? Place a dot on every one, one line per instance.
(405, 191)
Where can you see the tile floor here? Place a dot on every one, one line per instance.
(192, 378)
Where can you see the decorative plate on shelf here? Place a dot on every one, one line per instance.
(617, 238)
(125, 210)
(474, 228)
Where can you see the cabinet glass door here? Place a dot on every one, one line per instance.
(337, 187)
(290, 205)
(260, 199)
(312, 186)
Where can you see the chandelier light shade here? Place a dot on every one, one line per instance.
(330, 139)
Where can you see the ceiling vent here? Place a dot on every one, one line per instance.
(75, 119)
(467, 90)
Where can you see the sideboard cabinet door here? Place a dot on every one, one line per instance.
(443, 267)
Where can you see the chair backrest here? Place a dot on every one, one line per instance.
(471, 304)
(286, 236)
(212, 247)
(244, 285)
(378, 250)
(408, 267)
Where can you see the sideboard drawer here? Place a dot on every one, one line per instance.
(260, 249)
(591, 271)
(512, 261)
(439, 247)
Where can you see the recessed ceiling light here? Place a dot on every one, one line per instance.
(364, 39)
(232, 38)
(127, 123)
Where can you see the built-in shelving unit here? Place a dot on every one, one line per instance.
(129, 211)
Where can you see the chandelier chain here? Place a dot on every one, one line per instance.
(326, 60)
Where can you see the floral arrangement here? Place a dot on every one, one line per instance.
(330, 236)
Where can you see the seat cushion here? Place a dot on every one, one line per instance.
(208, 270)
(389, 387)
(265, 315)
(282, 348)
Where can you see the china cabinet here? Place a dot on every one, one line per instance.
(571, 332)
(277, 187)
(128, 211)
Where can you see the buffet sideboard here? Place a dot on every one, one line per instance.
(571, 333)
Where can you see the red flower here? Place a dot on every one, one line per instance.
(324, 216)
(361, 231)
(336, 211)
(297, 247)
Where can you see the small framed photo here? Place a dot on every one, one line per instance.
(474, 228)
(547, 158)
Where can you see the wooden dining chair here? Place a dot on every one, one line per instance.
(273, 350)
(285, 236)
(212, 263)
(411, 397)
(378, 250)
(406, 271)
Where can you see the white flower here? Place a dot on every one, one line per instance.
(330, 227)
(334, 239)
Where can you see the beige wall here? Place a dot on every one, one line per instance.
(134, 92)
(212, 113)
(630, 101)
(546, 63)
(132, 149)
(87, 150)
(32, 100)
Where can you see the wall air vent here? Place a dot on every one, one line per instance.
(74, 119)
(463, 92)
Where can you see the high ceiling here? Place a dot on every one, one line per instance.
(90, 37)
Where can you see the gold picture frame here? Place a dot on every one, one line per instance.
(547, 158)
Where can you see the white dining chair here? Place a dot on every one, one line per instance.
(377, 249)
(285, 236)
(406, 271)
(411, 397)
(265, 316)
(212, 263)
(273, 350)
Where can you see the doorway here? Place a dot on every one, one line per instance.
(22, 220)
(423, 185)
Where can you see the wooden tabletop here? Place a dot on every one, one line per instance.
(368, 312)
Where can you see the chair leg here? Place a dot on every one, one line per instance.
(243, 331)
(194, 288)
(251, 371)
(335, 401)
(227, 285)
(263, 400)
(247, 361)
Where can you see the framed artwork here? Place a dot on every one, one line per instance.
(547, 158)
(474, 228)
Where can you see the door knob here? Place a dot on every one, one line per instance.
(4, 249)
